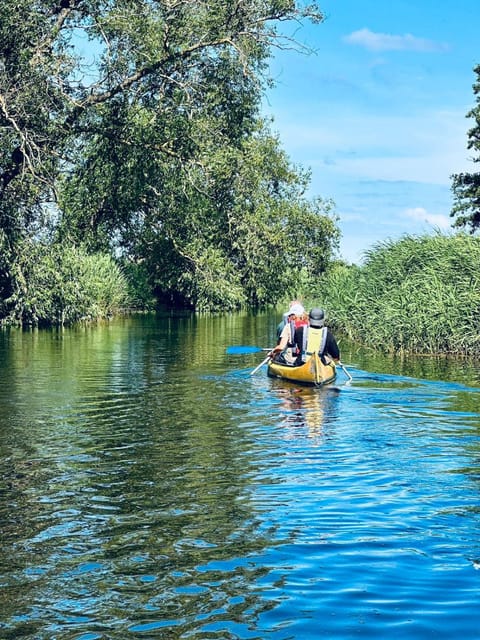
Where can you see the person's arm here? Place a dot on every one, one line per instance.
(283, 341)
(331, 347)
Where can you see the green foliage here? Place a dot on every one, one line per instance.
(418, 294)
(144, 141)
(232, 229)
(466, 186)
(139, 289)
(277, 240)
(61, 285)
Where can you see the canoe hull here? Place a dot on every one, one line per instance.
(313, 372)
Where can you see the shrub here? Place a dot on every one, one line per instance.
(418, 294)
(56, 285)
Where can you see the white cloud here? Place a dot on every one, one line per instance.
(419, 214)
(389, 42)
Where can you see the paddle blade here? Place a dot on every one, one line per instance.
(241, 349)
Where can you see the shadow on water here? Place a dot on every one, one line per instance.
(152, 488)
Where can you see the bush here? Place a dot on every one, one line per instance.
(418, 294)
(57, 285)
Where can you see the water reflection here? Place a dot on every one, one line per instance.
(441, 367)
(150, 487)
(305, 409)
(127, 487)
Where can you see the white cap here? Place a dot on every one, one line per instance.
(296, 309)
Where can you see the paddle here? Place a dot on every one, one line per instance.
(243, 349)
(345, 371)
(261, 364)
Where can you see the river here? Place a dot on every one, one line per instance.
(150, 487)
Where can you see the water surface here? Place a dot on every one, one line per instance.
(150, 487)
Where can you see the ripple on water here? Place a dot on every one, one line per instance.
(219, 505)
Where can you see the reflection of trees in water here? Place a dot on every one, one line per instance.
(308, 408)
(130, 494)
(130, 471)
(423, 367)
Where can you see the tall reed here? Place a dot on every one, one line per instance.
(419, 294)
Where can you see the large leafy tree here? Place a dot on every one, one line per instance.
(135, 124)
(34, 73)
(466, 186)
(249, 236)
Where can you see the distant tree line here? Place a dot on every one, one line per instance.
(133, 148)
(466, 186)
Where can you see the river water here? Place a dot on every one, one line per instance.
(150, 487)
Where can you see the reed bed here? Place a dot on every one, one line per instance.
(419, 294)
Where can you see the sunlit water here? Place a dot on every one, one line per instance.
(152, 488)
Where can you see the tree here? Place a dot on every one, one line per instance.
(466, 186)
(118, 117)
(62, 60)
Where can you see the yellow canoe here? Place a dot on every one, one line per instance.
(312, 372)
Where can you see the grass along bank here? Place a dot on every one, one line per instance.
(420, 294)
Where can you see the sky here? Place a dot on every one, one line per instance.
(378, 112)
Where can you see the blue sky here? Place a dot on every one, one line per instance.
(378, 112)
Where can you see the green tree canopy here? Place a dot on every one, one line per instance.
(135, 127)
